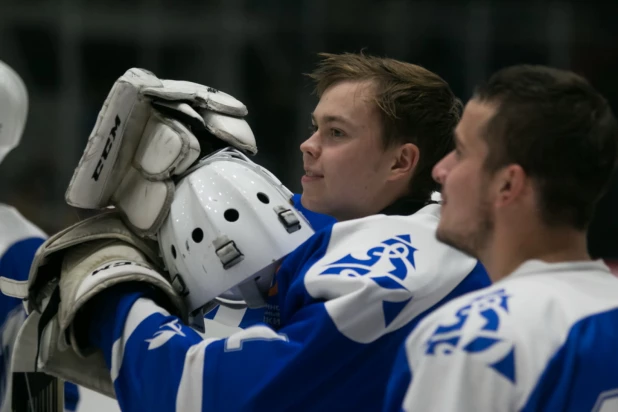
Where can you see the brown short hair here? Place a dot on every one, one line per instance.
(560, 130)
(416, 105)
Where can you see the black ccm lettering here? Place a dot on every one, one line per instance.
(108, 148)
(117, 264)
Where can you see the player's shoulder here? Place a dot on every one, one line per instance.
(537, 289)
(427, 218)
(420, 227)
(525, 317)
(421, 224)
(13, 221)
(390, 269)
(412, 239)
(560, 293)
(14, 227)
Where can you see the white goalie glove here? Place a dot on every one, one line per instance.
(147, 131)
(68, 271)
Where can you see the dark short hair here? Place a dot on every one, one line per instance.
(416, 105)
(560, 130)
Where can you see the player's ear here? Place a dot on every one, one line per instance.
(405, 159)
(511, 184)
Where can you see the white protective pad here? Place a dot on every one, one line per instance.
(206, 97)
(148, 126)
(83, 261)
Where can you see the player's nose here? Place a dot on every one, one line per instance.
(311, 146)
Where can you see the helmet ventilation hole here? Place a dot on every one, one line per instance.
(263, 198)
(197, 235)
(231, 215)
(173, 252)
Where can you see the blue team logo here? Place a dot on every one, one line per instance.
(387, 264)
(476, 331)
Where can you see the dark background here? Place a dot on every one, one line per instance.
(69, 53)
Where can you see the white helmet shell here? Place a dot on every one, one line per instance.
(230, 224)
(13, 109)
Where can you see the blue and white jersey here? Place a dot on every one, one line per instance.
(343, 303)
(223, 321)
(542, 339)
(318, 221)
(19, 240)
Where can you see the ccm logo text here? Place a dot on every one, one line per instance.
(108, 148)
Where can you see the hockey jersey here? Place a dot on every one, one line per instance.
(542, 339)
(222, 321)
(347, 298)
(19, 241)
(317, 221)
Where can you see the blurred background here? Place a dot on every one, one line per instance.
(69, 53)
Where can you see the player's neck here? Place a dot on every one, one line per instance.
(510, 248)
(389, 201)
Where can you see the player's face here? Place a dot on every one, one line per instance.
(345, 163)
(467, 217)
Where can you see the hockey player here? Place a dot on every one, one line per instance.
(19, 238)
(535, 150)
(603, 230)
(373, 119)
(346, 296)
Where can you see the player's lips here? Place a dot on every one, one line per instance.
(311, 176)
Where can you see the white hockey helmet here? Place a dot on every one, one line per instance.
(13, 109)
(230, 224)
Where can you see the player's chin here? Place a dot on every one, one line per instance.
(313, 201)
(310, 193)
(442, 232)
(446, 235)
(457, 240)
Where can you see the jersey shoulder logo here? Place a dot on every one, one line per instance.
(387, 264)
(375, 280)
(475, 330)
